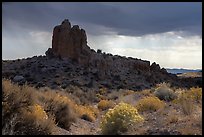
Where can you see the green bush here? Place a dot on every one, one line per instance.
(119, 119)
(164, 92)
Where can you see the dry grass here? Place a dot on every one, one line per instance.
(172, 118)
(35, 121)
(149, 104)
(87, 113)
(21, 114)
(191, 125)
(128, 92)
(60, 106)
(83, 97)
(187, 99)
(186, 104)
(28, 111)
(103, 91)
(196, 94)
(105, 104)
(146, 92)
(66, 110)
(100, 97)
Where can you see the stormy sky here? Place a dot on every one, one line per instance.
(168, 33)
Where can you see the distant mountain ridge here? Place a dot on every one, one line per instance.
(178, 71)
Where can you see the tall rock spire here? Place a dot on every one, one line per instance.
(69, 42)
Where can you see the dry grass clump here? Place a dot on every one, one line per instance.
(195, 93)
(87, 113)
(149, 104)
(35, 121)
(146, 92)
(60, 106)
(85, 96)
(128, 92)
(100, 97)
(119, 119)
(186, 104)
(102, 91)
(20, 113)
(173, 117)
(185, 101)
(66, 110)
(164, 92)
(187, 98)
(105, 104)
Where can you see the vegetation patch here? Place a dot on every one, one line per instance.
(164, 92)
(105, 104)
(119, 119)
(149, 104)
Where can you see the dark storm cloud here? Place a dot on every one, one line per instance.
(123, 18)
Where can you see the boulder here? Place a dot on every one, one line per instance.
(18, 78)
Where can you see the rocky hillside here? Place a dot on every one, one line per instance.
(71, 61)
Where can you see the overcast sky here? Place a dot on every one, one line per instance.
(169, 34)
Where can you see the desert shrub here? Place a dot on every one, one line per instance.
(34, 121)
(102, 91)
(61, 107)
(87, 113)
(173, 117)
(128, 92)
(163, 92)
(186, 102)
(146, 92)
(20, 114)
(85, 96)
(105, 104)
(100, 97)
(119, 119)
(15, 96)
(195, 93)
(149, 104)
(187, 98)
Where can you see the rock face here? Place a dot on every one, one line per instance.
(70, 42)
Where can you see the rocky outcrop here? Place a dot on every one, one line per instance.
(69, 42)
(155, 67)
(70, 61)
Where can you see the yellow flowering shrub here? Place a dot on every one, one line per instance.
(105, 104)
(118, 119)
(149, 104)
